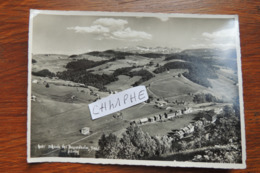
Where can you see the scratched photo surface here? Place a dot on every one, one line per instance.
(188, 65)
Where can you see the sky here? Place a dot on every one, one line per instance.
(67, 34)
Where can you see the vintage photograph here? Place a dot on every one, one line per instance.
(189, 64)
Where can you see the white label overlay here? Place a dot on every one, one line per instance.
(118, 102)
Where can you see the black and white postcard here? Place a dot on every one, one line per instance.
(187, 67)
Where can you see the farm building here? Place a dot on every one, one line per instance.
(172, 115)
(179, 134)
(186, 130)
(35, 81)
(33, 98)
(187, 110)
(151, 119)
(143, 120)
(85, 130)
(178, 112)
(161, 103)
(133, 122)
(161, 116)
(191, 127)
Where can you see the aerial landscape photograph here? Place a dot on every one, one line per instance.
(188, 65)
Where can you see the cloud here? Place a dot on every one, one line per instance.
(131, 35)
(222, 39)
(113, 24)
(222, 34)
(96, 29)
(113, 29)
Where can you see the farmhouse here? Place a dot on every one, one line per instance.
(85, 131)
(143, 120)
(172, 115)
(186, 130)
(35, 81)
(187, 110)
(178, 113)
(161, 103)
(191, 127)
(151, 119)
(33, 98)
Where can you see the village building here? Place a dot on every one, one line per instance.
(187, 110)
(85, 130)
(35, 81)
(161, 103)
(172, 115)
(186, 130)
(161, 116)
(151, 119)
(191, 127)
(178, 112)
(33, 98)
(179, 134)
(143, 120)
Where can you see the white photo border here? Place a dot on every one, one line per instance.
(34, 13)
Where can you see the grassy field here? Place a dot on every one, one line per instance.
(224, 88)
(168, 86)
(123, 83)
(54, 63)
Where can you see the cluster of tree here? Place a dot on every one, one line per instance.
(146, 75)
(87, 78)
(80, 75)
(123, 71)
(44, 73)
(83, 64)
(198, 72)
(122, 54)
(110, 53)
(172, 65)
(204, 98)
(136, 144)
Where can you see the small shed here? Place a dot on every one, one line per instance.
(85, 130)
(35, 81)
(33, 98)
(143, 120)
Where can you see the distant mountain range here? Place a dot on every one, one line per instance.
(142, 49)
